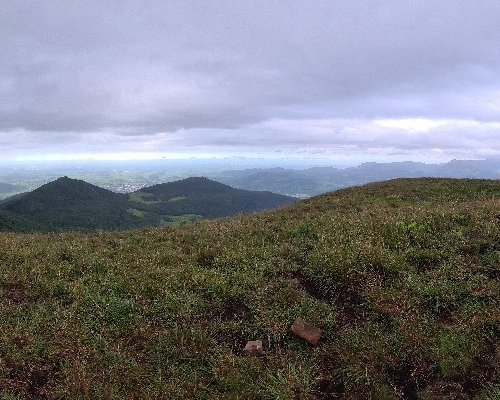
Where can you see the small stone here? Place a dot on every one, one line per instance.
(253, 348)
(306, 331)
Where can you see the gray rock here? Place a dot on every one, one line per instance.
(254, 348)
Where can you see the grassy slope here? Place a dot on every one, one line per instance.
(403, 277)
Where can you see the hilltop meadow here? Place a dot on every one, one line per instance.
(402, 277)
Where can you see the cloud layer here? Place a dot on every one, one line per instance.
(297, 76)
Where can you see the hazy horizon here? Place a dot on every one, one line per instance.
(225, 162)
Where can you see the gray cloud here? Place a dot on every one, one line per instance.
(181, 74)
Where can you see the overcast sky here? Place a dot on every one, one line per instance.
(276, 78)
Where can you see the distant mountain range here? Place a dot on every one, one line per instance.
(304, 182)
(71, 204)
(313, 181)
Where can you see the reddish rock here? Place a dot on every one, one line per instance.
(253, 348)
(306, 331)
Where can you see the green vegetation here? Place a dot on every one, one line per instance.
(209, 198)
(141, 197)
(137, 213)
(70, 204)
(178, 198)
(182, 219)
(67, 204)
(403, 277)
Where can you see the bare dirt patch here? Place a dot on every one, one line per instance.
(14, 294)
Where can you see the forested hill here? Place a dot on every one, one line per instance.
(66, 204)
(71, 204)
(194, 186)
(211, 199)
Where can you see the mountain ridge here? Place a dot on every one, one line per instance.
(316, 180)
(68, 203)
